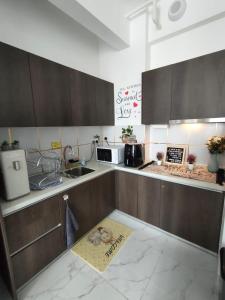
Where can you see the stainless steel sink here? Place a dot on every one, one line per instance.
(77, 172)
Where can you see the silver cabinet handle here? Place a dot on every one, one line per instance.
(16, 165)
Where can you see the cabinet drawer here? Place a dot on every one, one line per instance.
(30, 223)
(32, 259)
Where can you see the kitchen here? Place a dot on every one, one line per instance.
(60, 76)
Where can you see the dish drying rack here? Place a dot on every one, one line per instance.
(44, 169)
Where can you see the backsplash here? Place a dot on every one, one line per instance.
(195, 136)
(156, 138)
(79, 138)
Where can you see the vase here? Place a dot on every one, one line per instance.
(190, 167)
(221, 160)
(213, 163)
(125, 138)
(159, 162)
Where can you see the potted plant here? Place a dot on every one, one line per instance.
(126, 133)
(5, 146)
(191, 159)
(216, 146)
(15, 144)
(159, 157)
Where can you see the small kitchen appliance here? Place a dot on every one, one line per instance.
(220, 176)
(110, 154)
(134, 155)
(14, 174)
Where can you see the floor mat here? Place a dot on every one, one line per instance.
(102, 243)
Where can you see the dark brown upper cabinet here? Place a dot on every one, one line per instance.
(92, 100)
(50, 84)
(104, 102)
(156, 96)
(16, 103)
(82, 93)
(199, 88)
(38, 92)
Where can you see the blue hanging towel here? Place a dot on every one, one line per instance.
(71, 227)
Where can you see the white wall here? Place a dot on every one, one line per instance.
(196, 42)
(194, 136)
(125, 67)
(111, 14)
(80, 138)
(40, 28)
(197, 12)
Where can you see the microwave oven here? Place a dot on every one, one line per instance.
(110, 154)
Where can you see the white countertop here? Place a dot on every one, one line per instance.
(9, 207)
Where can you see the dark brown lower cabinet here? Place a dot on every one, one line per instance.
(127, 193)
(103, 195)
(34, 258)
(92, 201)
(36, 237)
(191, 213)
(6, 270)
(32, 222)
(36, 234)
(149, 200)
(84, 211)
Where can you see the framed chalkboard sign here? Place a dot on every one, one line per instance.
(175, 154)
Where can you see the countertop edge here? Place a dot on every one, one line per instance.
(13, 206)
(176, 179)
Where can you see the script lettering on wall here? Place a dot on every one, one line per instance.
(128, 105)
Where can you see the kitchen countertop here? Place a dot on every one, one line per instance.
(9, 207)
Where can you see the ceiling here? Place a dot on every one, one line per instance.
(129, 5)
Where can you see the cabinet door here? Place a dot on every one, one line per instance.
(199, 87)
(104, 102)
(83, 98)
(16, 100)
(191, 213)
(149, 200)
(32, 222)
(103, 195)
(127, 192)
(92, 100)
(82, 207)
(156, 96)
(92, 201)
(50, 83)
(38, 255)
(6, 271)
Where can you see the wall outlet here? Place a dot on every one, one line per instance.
(56, 144)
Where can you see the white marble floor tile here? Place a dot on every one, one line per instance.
(53, 279)
(131, 270)
(173, 280)
(88, 285)
(150, 266)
